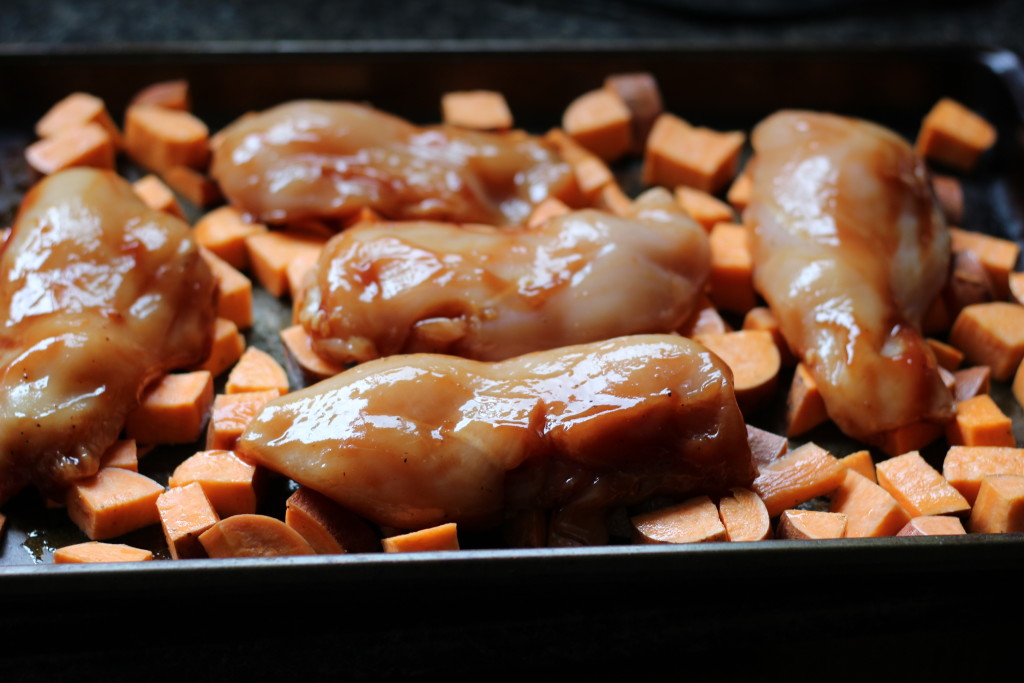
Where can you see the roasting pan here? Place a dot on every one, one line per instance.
(486, 607)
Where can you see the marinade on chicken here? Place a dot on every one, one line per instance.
(490, 294)
(101, 295)
(416, 440)
(849, 250)
(316, 160)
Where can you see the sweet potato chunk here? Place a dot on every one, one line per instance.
(680, 154)
(744, 515)
(185, 513)
(257, 370)
(476, 110)
(980, 422)
(97, 551)
(113, 502)
(804, 473)
(229, 482)
(999, 508)
(328, 527)
(174, 410)
(441, 537)
(693, 521)
(965, 466)
(252, 535)
(954, 135)
(918, 487)
(940, 525)
(224, 231)
(88, 145)
(991, 334)
(601, 122)
(160, 139)
(811, 524)
(870, 510)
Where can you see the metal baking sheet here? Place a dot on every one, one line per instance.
(724, 89)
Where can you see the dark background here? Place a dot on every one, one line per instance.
(687, 21)
(744, 626)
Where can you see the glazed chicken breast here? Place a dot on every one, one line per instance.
(849, 250)
(100, 296)
(490, 294)
(417, 440)
(314, 160)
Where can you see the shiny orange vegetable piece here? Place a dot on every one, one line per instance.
(870, 510)
(804, 473)
(441, 537)
(980, 422)
(250, 535)
(744, 515)
(96, 551)
(811, 524)
(113, 502)
(328, 527)
(185, 513)
(174, 410)
(999, 508)
(918, 487)
(693, 521)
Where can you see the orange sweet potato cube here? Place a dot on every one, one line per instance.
(476, 110)
(174, 410)
(113, 502)
(680, 154)
(954, 135)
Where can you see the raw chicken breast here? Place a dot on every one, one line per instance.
(100, 296)
(849, 250)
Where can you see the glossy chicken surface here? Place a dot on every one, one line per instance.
(100, 296)
(416, 440)
(849, 250)
(310, 160)
(489, 294)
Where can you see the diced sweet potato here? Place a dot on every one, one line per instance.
(953, 135)
(940, 525)
(547, 209)
(704, 208)
(592, 174)
(1016, 284)
(765, 447)
(257, 370)
(195, 186)
(97, 551)
(271, 252)
(754, 360)
(991, 334)
(299, 350)
(174, 410)
(762, 318)
(980, 422)
(229, 482)
(123, 454)
(680, 154)
(157, 196)
(612, 199)
(113, 502)
(88, 145)
(909, 437)
(693, 521)
(918, 487)
(870, 510)
(173, 94)
(999, 508)
(805, 408)
(744, 515)
(185, 513)
(705, 320)
(739, 192)
(328, 527)
(476, 110)
(801, 474)
(76, 110)
(811, 524)
(251, 535)
(224, 231)
(601, 122)
(965, 466)
(643, 98)
(732, 269)
(862, 463)
(231, 414)
(996, 255)
(234, 290)
(950, 196)
(441, 537)
(160, 139)
(947, 356)
(228, 346)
